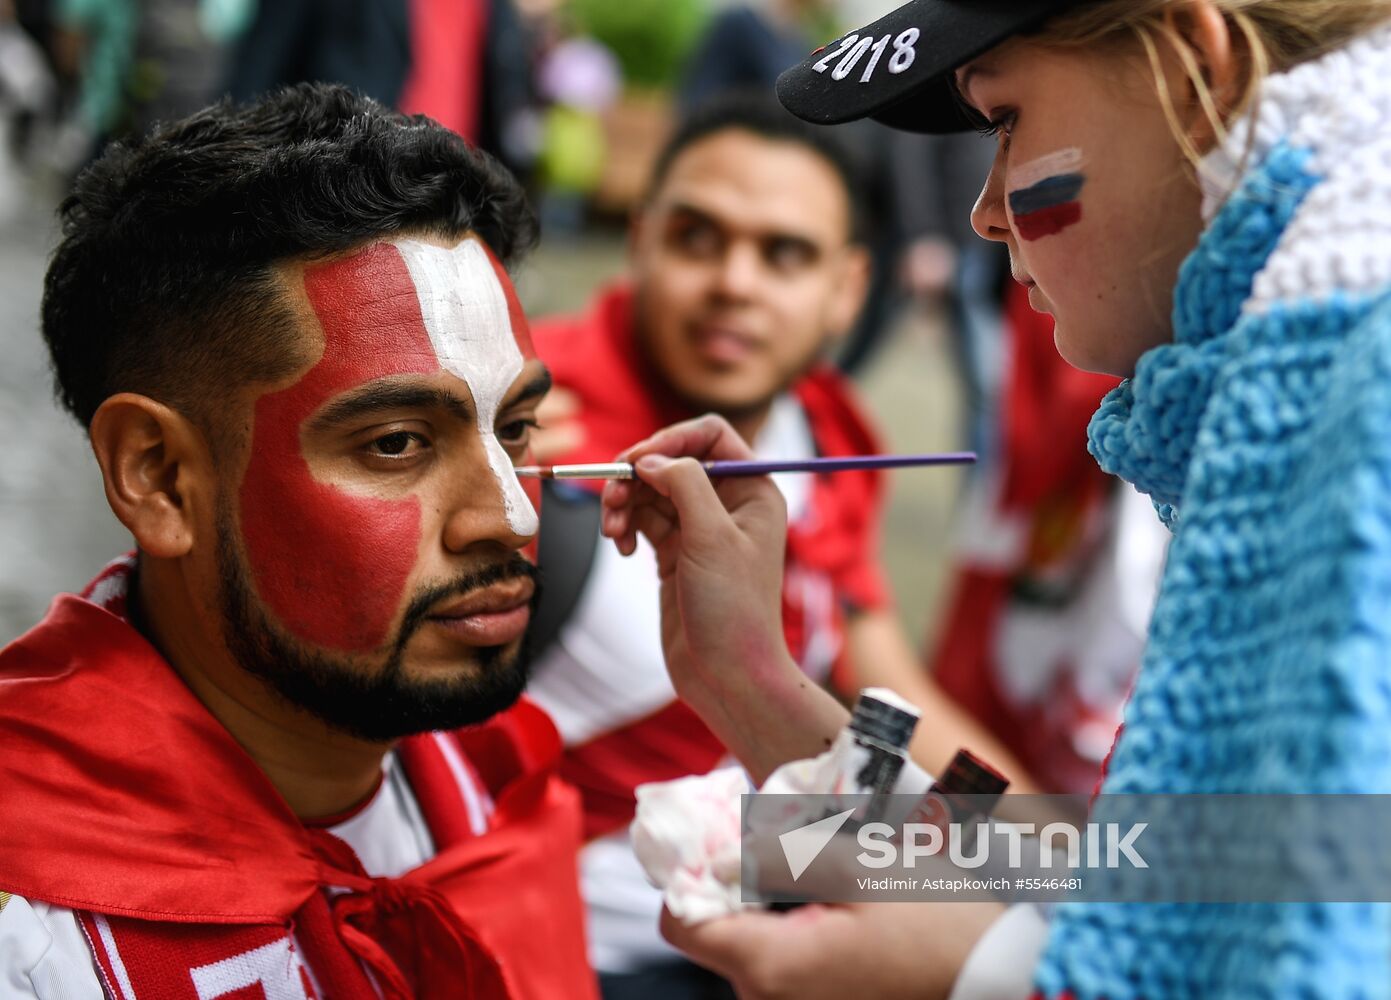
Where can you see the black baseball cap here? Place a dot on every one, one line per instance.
(898, 70)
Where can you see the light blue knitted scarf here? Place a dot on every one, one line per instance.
(1263, 435)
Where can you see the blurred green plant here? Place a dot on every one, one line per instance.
(822, 23)
(650, 38)
(572, 150)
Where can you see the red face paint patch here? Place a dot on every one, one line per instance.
(1048, 221)
(331, 565)
(521, 329)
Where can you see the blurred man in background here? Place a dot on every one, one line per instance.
(747, 267)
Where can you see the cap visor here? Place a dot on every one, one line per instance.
(898, 69)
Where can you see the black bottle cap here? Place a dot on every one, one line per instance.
(883, 722)
(968, 775)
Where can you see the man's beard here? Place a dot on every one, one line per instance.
(382, 704)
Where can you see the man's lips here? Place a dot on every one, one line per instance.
(492, 616)
(723, 344)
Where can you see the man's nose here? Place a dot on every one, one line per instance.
(487, 502)
(739, 270)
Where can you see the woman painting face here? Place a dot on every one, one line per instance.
(1090, 191)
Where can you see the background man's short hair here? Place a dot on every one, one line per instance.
(164, 280)
(760, 113)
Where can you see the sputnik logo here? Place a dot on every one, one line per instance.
(803, 845)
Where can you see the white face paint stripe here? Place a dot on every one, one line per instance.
(466, 316)
(1064, 161)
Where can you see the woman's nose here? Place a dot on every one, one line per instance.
(989, 218)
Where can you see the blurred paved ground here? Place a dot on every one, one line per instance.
(56, 530)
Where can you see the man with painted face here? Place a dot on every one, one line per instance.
(278, 749)
(746, 265)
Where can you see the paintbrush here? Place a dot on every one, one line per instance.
(848, 463)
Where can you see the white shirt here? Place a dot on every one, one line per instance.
(1001, 965)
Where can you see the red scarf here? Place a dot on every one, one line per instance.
(832, 550)
(129, 803)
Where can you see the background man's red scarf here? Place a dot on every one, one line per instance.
(126, 801)
(595, 356)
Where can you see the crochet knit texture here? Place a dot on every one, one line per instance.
(1263, 435)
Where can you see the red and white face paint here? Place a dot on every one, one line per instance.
(331, 564)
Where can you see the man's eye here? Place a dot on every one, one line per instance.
(517, 432)
(789, 255)
(402, 444)
(699, 239)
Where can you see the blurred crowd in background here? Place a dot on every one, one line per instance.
(1052, 563)
(575, 96)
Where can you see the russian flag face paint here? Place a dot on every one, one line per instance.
(331, 562)
(1044, 194)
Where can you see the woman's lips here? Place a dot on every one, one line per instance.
(493, 616)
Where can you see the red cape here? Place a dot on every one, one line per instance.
(124, 796)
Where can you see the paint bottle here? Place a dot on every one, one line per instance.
(867, 757)
(966, 794)
(877, 737)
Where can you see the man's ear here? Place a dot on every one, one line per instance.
(1209, 52)
(157, 471)
(848, 298)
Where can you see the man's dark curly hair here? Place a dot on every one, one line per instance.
(164, 281)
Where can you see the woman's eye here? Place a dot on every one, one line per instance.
(402, 444)
(517, 432)
(1002, 125)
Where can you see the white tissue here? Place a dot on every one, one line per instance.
(687, 832)
(686, 836)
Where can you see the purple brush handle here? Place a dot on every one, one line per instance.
(838, 464)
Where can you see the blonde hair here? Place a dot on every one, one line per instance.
(1278, 35)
